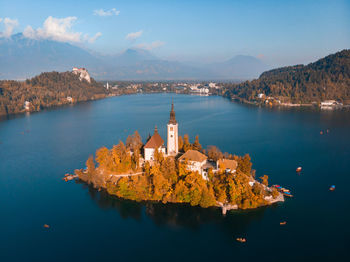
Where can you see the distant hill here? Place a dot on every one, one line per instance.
(21, 58)
(131, 57)
(241, 67)
(47, 90)
(327, 78)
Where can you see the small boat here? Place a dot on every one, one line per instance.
(46, 226)
(288, 194)
(283, 223)
(321, 133)
(299, 169)
(332, 188)
(327, 130)
(241, 239)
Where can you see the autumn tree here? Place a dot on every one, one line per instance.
(134, 142)
(214, 153)
(90, 168)
(186, 144)
(103, 157)
(245, 164)
(265, 180)
(196, 145)
(181, 143)
(208, 197)
(161, 185)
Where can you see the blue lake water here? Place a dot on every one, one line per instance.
(85, 225)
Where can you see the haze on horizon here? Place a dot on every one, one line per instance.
(277, 32)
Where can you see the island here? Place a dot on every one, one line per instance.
(181, 172)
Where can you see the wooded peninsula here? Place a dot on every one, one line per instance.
(328, 78)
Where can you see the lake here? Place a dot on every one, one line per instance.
(36, 150)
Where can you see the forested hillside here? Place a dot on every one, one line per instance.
(327, 78)
(46, 90)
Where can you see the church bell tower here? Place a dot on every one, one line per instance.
(172, 141)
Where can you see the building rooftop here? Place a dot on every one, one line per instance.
(227, 163)
(172, 119)
(193, 155)
(155, 141)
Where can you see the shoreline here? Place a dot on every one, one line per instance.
(225, 207)
(313, 106)
(232, 99)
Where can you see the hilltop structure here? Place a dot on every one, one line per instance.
(172, 140)
(155, 142)
(83, 74)
(196, 162)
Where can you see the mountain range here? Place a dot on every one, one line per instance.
(22, 57)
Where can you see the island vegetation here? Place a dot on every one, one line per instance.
(121, 172)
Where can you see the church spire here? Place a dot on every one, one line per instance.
(172, 119)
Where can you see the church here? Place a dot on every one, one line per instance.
(157, 143)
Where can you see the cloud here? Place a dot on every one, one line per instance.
(29, 32)
(93, 39)
(101, 12)
(59, 29)
(134, 35)
(151, 46)
(9, 25)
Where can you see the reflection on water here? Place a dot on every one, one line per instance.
(176, 215)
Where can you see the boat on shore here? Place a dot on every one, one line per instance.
(284, 191)
(68, 177)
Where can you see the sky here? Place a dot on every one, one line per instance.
(278, 32)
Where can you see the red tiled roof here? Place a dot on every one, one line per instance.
(227, 163)
(155, 141)
(193, 155)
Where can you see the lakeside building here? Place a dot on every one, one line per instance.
(227, 165)
(154, 143)
(27, 105)
(195, 161)
(261, 96)
(330, 104)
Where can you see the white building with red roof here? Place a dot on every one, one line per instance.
(154, 143)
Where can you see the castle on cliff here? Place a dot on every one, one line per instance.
(82, 72)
